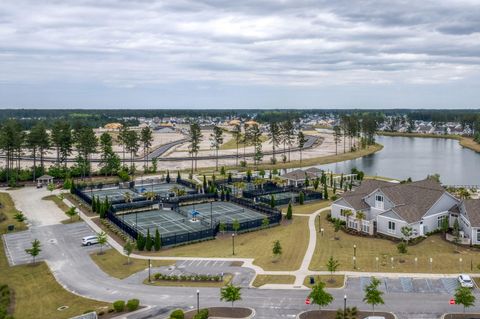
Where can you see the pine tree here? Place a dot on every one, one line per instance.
(289, 211)
(158, 242)
(179, 178)
(149, 241)
(272, 201)
(167, 179)
(140, 242)
(301, 198)
(325, 192)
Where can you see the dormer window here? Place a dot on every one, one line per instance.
(379, 201)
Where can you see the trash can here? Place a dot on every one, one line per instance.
(312, 280)
(11, 227)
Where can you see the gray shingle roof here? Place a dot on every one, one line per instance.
(472, 208)
(411, 200)
(298, 175)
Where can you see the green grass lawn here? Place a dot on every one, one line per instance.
(293, 237)
(211, 284)
(445, 259)
(308, 208)
(7, 213)
(261, 280)
(334, 281)
(114, 264)
(38, 295)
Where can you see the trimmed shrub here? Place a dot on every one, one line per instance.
(177, 314)
(133, 304)
(202, 314)
(119, 305)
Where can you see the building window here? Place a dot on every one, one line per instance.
(440, 220)
(379, 201)
(365, 227)
(391, 227)
(478, 235)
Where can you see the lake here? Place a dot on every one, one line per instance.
(404, 157)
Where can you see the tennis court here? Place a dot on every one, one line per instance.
(280, 196)
(113, 194)
(225, 212)
(162, 188)
(168, 222)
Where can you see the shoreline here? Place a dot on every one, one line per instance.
(322, 160)
(466, 142)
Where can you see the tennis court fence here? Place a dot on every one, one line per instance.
(284, 200)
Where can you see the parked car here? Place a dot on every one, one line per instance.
(375, 317)
(89, 240)
(465, 281)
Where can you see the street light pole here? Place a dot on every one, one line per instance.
(149, 271)
(233, 244)
(344, 306)
(198, 301)
(354, 250)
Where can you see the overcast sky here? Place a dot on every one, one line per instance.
(227, 54)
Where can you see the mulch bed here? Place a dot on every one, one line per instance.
(331, 314)
(223, 312)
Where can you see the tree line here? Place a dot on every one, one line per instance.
(64, 139)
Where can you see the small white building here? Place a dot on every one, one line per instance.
(45, 180)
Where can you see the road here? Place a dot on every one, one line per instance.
(75, 270)
(311, 141)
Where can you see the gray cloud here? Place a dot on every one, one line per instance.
(267, 43)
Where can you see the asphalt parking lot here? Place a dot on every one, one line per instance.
(408, 285)
(49, 237)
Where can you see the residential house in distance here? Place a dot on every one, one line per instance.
(386, 207)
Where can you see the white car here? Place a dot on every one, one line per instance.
(465, 281)
(374, 317)
(89, 240)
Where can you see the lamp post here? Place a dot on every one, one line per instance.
(233, 244)
(355, 250)
(345, 306)
(198, 301)
(354, 262)
(149, 271)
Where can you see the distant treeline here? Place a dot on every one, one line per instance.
(99, 117)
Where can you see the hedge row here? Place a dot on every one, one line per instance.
(159, 276)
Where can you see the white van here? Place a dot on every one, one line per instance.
(89, 240)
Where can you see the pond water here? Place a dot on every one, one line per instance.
(404, 157)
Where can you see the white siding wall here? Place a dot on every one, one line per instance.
(382, 226)
(431, 222)
(444, 203)
(336, 209)
(475, 240)
(370, 200)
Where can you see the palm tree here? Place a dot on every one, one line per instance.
(360, 216)
(347, 214)
(149, 195)
(463, 193)
(127, 196)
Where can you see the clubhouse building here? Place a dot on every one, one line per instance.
(385, 207)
